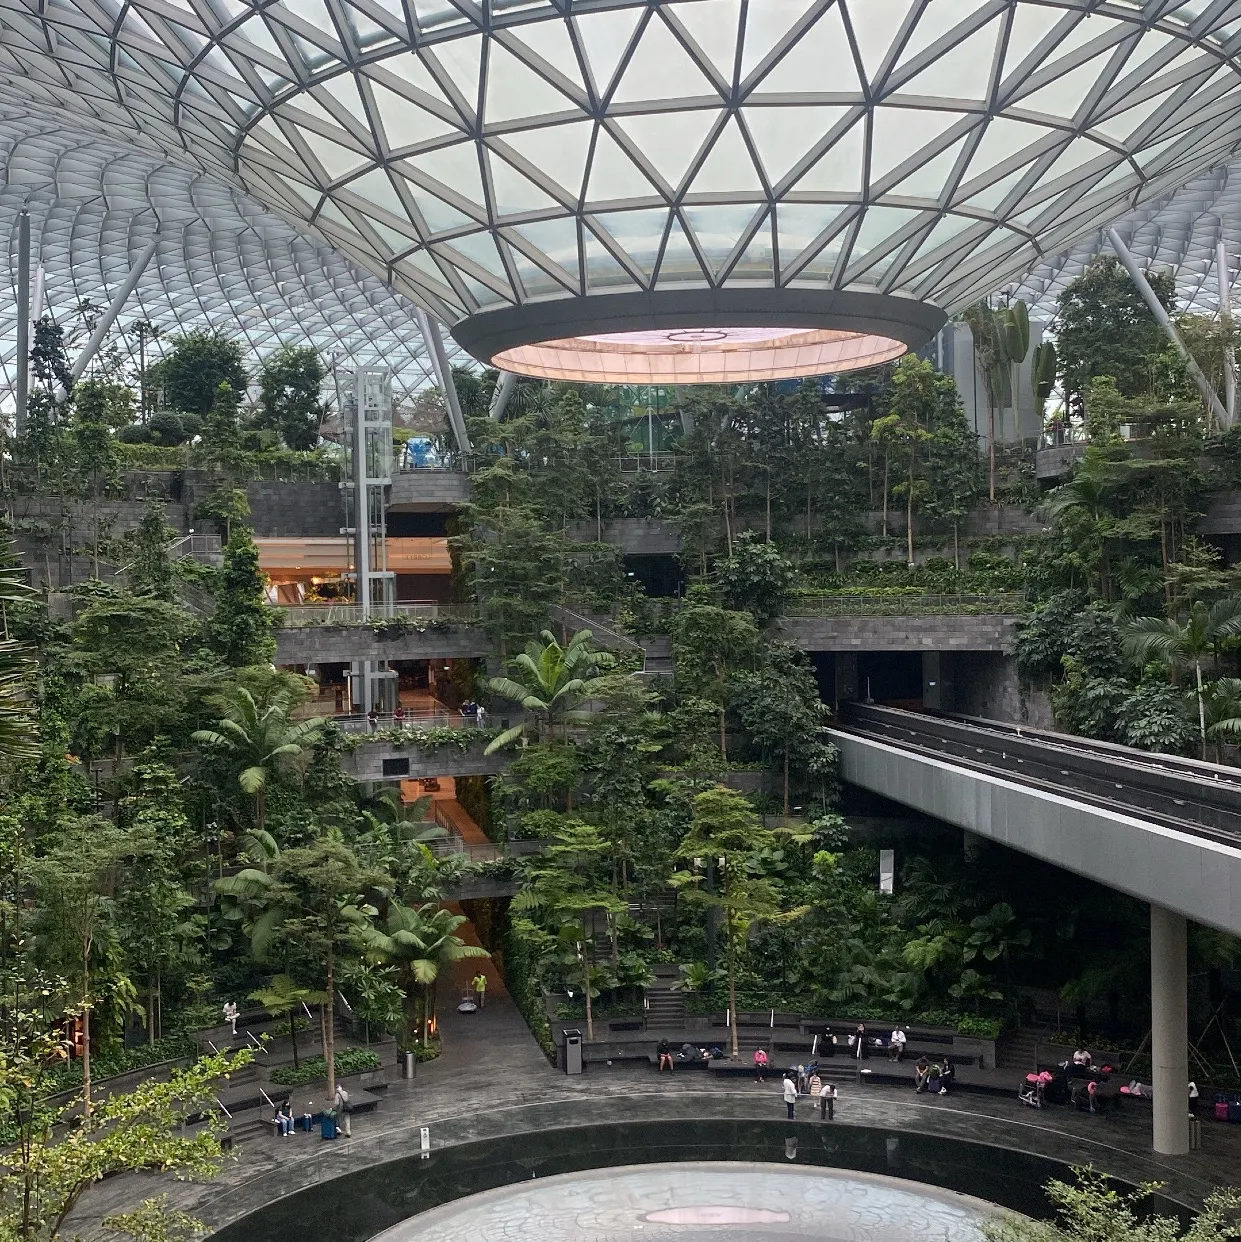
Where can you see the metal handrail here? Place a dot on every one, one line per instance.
(569, 618)
(849, 604)
(293, 616)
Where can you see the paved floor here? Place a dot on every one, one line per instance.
(492, 1081)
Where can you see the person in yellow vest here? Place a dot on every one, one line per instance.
(480, 987)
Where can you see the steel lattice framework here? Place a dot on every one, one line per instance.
(508, 163)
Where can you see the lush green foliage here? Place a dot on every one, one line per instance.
(350, 1061)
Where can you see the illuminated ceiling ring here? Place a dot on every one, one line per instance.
(700, 335)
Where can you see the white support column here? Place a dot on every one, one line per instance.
(1169, 1031)
(1125, 255)
(23, 318)
(104, 326)
(1225, 323)
(443, 374)
(503, 394)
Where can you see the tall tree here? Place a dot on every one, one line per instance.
(289, 384)
(725, 827)
(18, 731)
(195, 367)
(1106, 328)
(241, 627)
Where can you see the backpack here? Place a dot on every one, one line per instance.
(344, 1099)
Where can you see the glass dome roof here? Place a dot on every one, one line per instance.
(520, 166)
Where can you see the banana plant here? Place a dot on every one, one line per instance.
(1043, 374)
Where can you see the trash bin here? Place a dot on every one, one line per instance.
(573, 1052)
(327, 1126)
(407, 1064)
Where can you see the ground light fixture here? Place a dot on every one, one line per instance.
(630, 190)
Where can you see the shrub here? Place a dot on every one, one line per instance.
(350, 1061)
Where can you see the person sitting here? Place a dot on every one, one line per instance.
(665, 1056)
(827, 1045)
(922, 1071)
(945, 1079)
(933, 1080)
(760, 1064)
(284, 1119)
(689, 1053)
(1083, 1058)
(896, 1045)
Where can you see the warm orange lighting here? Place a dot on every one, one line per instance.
(321, 556)
(700, 355)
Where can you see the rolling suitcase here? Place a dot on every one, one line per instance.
(1221, 1108)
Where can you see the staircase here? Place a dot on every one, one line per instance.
(665, 1009)
(1016, 1050)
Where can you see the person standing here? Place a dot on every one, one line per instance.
(341, 1104)
(480, 988)
(896, 1045)
(230, 1015)
(790, 1095)
(827, 1102)
(813, 1086)
(480, 716)
(398, 717)
(760, 1064)
(860, 1049)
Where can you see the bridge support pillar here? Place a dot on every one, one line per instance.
(938, 689)
(846, 676)
(1169, 1031)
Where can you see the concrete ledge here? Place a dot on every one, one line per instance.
(634, 536)
(340, 644)
(384, 761)
(429, 491)
(1193, 876)
(934, 633)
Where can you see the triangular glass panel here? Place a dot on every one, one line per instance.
(604, 37)
(456, 167)
(880, 227)
(670, 141)
(313, 56)
(935, 21)
(876, 28)
(661, 68)
(550, 41)
(932, 178)
(948, 228)
(766, 25)
(513, 192)
(337, 161)
(839, 169)
(990, 197)
(407, 68)
(426, 266)
(729, 167)
(1003, 140)
(534, 280)
(613, 175)
(1063, 97)
(714, 26)
(602, 269)
(897, 134)
(404, 123)
(800, 225)
(461, 60)
(962, 73)
(638, 233)
(343, 90)
(781, 134)
(480, 249)
(757, 260)
(823, 54)
(1032, 23)
(717, 230)
(558, 151)
(375, 187)
(312, 11)
(556, 239)
(439, 215)
(679, 264)
(397, 243)
(514, 90)
(1078, 153)
(823, 266)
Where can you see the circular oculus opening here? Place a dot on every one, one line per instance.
(700, 355)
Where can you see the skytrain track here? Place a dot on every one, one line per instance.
(1200, 799)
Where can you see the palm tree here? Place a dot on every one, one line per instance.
(420, 942)
(1224, 712)
(282, 998)
(17, 727)
(1185, 645)
(261, 739)
(550, 681)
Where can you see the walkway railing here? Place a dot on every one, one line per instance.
(387, 722)
(299, 615)
(849, 604)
